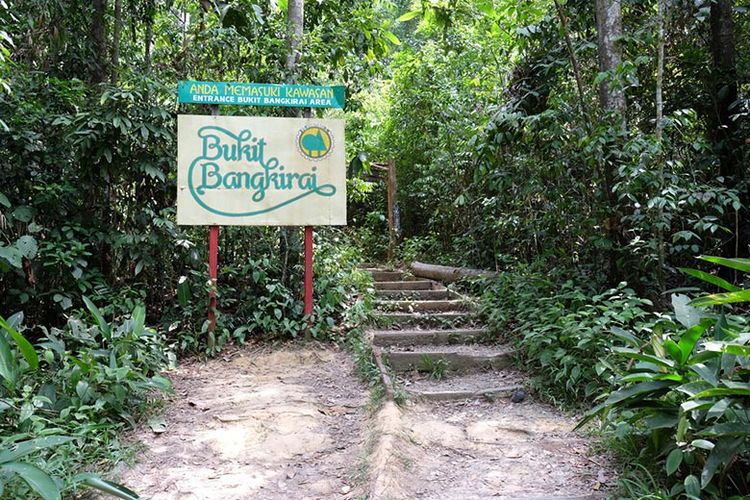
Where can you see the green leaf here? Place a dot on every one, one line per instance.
(705, 373)
(738, 264)
(717, 410)
(703, 444)
(674, 352)
(643, 376)
(23, 214)
(674, 460)
(638, 390)
(649, 358)
(689, 339)
(410, 15)
(692, 486)
(8, 363)
(27, 246)
(113, 489)
(24, 448)
(391, 38)
(722, 391)
(139, 320)
(722, 298)
(728, 348)
(701, 404)
(727, 429)
(710, 278)
(100, 321)
(27, 350)
(161, 383)
(38, 480)
(626, 336)
(84, 391)
(12, 256)
(183, 291)
(4, 201)
(721, 454)
(687, 315)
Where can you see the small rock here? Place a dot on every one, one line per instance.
(345, 489)
(518, 396)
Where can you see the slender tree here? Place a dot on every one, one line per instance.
(99, 41)
(295, 29)
(612, 100)
(289, 236)
(722, 123)
(116, 41)
(609, 30)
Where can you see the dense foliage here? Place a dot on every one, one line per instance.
(586, 162)
(521, 147)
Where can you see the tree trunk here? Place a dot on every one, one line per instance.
(99, 41)
(296, 15)
(116, 41)
(723, 129)
(573, 61)
(289, 235)
(447, 273)
(148, 41)
(612, 100)
(660, 247)
(609, 28)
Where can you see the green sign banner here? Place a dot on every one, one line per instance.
(261, 94)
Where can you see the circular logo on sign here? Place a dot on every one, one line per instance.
(315, 142)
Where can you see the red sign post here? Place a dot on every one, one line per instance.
(213, 274)
(308, 270)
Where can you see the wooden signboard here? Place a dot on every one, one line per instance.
(253, 171)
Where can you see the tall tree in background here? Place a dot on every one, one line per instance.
(722, 124)
(612, 100)
(296, 17)
(609, 29)
(289, 236)
(99, 42)
(116, 41)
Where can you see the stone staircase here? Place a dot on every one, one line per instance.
(431, 340)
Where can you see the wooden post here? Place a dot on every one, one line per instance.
(213, 274)
(392, 236)
(308, 310)
(213, 260)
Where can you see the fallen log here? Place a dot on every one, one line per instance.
(447, 273)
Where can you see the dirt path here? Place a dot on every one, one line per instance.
(272, 423)
(476, 449)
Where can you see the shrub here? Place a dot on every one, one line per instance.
(685, 392)
(63, 401)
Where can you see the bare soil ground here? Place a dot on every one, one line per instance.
(271, 423)
(478, 449)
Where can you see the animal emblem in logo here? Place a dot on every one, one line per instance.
(315, 142)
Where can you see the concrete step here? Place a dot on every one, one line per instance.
(406, 285)
(422, 305)
(463, 358)
(401, 320)
(381, 275)
(488, 385)
(425, 337)
(415, 294)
